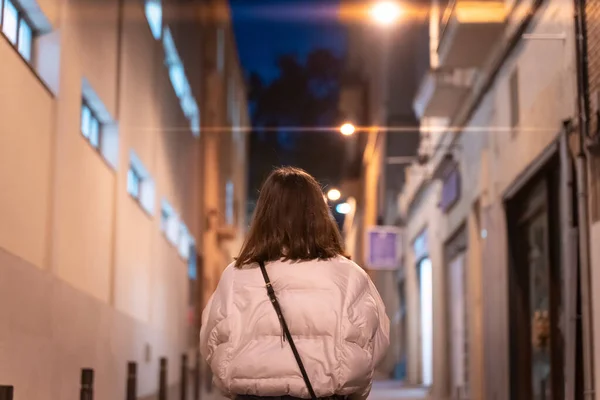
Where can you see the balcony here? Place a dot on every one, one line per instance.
(468, 32)
(442, 93)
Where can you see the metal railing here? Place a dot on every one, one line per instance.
(86, 386)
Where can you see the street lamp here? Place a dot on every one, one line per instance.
(386, 12)
(347, 129)
(334, 194)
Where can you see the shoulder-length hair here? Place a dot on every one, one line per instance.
(292, 221)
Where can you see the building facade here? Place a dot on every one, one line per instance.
(103, 176)
(492, 252)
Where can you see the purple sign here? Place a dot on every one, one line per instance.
(384, 247)
(450, 190)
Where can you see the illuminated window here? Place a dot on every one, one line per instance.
(139, 184)
(16, 29)
(169, 222)
(10, 21)
(90, 126)
(180, 83)
(25, 39)
(426, 303)
(192, 268)
(153, 9)
(166, 213)
(134, 182)
(97, 126)
(178, 80)
(185, 241)
(229, 203)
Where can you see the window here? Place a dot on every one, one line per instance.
(229, 204)
(166, 213)
(153, 9)
(192, 267)
(185, 241)
(16, 29)
(180, 83)
(10, 21)
(139, 184)
(25, 38)
(134, 182)
(169, 222)
(90, 126)
(97, 126)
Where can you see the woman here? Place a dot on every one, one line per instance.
(337, 321)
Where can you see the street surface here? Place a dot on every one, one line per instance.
(382, 390)
(393, 390)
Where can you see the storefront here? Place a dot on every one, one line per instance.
(540, 274)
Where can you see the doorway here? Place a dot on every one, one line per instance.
(535, 298)
(425, 270)
(457, 309)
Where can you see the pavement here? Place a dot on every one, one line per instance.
(396, 390)
(382, 390)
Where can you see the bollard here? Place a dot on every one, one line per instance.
(197, 377)
(183, 383)
(162, 380)
(6, 393)
(87, 384)
(131, 381)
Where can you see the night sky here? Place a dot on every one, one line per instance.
(267, 28)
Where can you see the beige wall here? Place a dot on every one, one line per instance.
(100, 280)
(489, 162)
(24, 169)
(426, 218)
(225, 147)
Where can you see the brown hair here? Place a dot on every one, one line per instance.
(291, 222)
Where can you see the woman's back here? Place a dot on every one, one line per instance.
(335, 315)
(333, 312)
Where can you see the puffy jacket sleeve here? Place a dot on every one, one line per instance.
(370, 325)
(215, 331)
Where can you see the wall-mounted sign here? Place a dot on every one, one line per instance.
(384, 247)
(450, 189)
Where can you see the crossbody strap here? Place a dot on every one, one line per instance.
(286, 331)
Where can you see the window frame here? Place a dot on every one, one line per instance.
(93, 116)
(21, 18)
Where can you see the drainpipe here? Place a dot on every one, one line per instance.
(583, 120)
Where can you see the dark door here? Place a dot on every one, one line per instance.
(535, 291)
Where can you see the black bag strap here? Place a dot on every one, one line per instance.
(286, 331)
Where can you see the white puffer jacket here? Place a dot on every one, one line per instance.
(335, 315)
